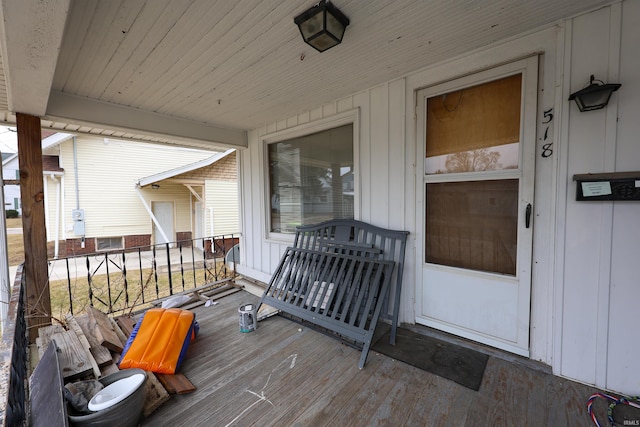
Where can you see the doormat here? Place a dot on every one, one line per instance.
(462, 365)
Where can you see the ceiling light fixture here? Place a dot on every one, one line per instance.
(322, 26)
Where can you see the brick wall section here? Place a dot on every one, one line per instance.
(184, 235)
(74, 247)
(224, 169)
(137, 240)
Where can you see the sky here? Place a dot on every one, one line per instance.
(8, 140)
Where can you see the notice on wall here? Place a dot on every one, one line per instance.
(592, 189)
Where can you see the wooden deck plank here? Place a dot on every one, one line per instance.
(325, 387)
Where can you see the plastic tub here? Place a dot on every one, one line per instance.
(125, 413)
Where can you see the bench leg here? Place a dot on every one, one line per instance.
(394, 319)
(364, 354)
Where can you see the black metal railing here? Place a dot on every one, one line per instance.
(126, 280)
(13, 358)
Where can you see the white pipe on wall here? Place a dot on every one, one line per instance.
(150, 212)
(5, 288)
(56, 233)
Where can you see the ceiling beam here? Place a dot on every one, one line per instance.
(31, 33)
(88, 112)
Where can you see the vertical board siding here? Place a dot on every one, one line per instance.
(380, 149)
(587, 148)
(623, 348)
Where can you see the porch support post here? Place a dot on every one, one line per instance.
(38, 299)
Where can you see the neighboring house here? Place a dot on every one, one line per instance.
(97, 197)
(11, 169)
(11, 191)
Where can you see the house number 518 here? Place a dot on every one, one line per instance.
(547, 143)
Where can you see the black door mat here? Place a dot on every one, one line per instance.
(459, 364)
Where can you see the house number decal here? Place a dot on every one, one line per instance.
(547, 146)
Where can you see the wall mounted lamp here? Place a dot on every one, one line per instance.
(322, 26)
(595, 96)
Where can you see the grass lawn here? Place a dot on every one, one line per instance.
(15, 243)
(139, 290)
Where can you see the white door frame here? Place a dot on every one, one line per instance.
(529, 69)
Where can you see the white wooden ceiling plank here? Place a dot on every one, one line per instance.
(249, 76)
(266, 62)
(129, 47)
(223, 52)
(91, 49)
(130, 72)
(178, 47)
(257, 44)
(218, 46)
(114, 26)
(74, 35)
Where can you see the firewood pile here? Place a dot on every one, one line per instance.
(90, 347)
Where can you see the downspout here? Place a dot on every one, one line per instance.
(150, 212)
(46, 206)
(5, 293)
(56, 241)
(211, 221)
(75, 168)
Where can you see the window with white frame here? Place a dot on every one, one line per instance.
(311, 179)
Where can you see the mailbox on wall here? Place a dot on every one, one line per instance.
(608, 186)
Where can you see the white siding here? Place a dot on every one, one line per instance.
(602, 239)
(222, 201)
(107, 175)
(584, 283)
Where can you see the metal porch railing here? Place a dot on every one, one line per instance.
(126, 280)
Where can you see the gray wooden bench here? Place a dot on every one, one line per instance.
(341, 275)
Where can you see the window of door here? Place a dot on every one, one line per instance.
(473, 131)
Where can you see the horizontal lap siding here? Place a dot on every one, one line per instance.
(222, 200)
(107, 176)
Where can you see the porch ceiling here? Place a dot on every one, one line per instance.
(202, 72)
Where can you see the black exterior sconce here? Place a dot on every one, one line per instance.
(322, 26)
(595, 96)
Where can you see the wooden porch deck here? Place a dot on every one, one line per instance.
(284, 374)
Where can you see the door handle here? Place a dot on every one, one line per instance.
(527, 216)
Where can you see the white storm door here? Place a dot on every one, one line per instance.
(475, 196)
(163, 211)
